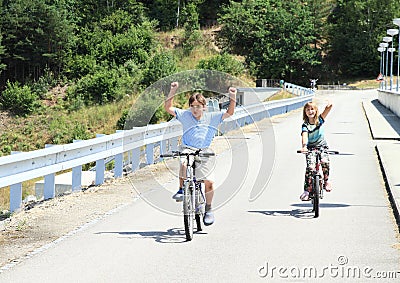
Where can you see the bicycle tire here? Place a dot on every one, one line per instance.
(198, 217)
(316, 188)
(199, 208)
(188, 211)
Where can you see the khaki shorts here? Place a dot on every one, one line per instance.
(204, 165)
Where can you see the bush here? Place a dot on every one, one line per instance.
(80, 65)
(101, 87)
(19, 100)
(224, 63)
(159, 66)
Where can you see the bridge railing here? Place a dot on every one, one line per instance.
(20, 167)
(298, 90)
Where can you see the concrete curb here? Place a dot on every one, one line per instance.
(393, 194)
(384, 126)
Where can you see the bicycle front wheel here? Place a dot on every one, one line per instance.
(188, 210)
(199, 206)
(316, 190)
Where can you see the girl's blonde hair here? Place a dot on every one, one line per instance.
(313, 105)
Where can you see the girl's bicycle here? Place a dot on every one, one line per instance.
(193, 196)
(317, 191)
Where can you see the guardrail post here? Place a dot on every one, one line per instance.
(119, 164)
(150, 154)
(15, 194)
(77, 176)
(49, 189)
(100, 168)
(173, 144)
(135, 158)
(163, 147)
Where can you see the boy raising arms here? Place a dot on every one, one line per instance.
(199, 129)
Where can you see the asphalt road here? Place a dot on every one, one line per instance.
(262, 233)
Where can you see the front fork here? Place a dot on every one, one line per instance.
(200, 198)
(321, 183)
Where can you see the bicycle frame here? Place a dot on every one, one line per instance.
(193, 197)
(193, 189)
(317, 181)
(317, 192)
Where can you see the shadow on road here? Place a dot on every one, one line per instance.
(297, 213)
(171, 236)
(305, 213)
(328, 205)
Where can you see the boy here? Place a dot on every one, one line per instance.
(199, 129)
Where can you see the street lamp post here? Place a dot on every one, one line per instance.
(397, 23)
(391, 50)
(384, 45)
(392, 32)
(381, 50)
(387, 39)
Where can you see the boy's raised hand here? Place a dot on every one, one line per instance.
(174, 86)
(232, 92)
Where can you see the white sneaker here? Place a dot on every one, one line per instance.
(208, 218)
(178, 196)
(305, 196)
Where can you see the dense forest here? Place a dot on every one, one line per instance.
(100, 51)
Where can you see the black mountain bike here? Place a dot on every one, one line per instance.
(317, 191)
(193, 196)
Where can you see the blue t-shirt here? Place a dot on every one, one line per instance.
(198, 133)
(316, 136)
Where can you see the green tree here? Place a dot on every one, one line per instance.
(2, 51)
(191, 26)
(355, 29)
(88, 12)
(36, 35)
(164, 12)
(276, 37)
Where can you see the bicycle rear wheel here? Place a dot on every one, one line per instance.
(316, 190)
(188, 210)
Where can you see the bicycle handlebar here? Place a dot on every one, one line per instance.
(179, 153)
(328, 151)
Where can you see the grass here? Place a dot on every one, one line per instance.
(364, 83)
(282, 94)
(58, 126)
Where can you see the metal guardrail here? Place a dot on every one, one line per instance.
(298, 90)
(17, 168)
(336, 87)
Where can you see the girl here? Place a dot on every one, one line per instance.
(313, 142)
